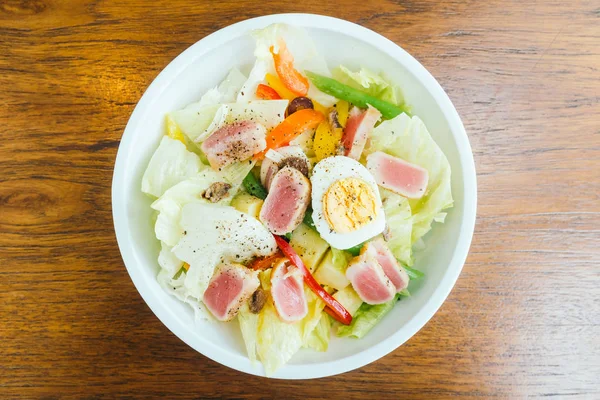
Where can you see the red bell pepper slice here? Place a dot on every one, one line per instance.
(336, 309)
(265, 92)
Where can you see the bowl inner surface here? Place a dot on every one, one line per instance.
(203, 66)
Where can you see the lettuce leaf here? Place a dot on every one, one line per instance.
(169, 205)
(278, 341)
(319, 338)
(170, 164)
(302, 48)
(399, 224)
(366, 318)
(168, 260)
(249, 327)
(407, 138)
(374, 84)
(197, 118)
(175, 285)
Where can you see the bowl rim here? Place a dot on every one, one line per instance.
(467, 224)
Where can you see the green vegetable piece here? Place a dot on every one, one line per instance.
(254, 187)
(308, 219)
(366, 318)
(356, 249)
(413, 273)
(354, 96)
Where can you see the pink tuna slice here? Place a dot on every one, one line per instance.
(287, 289)
(401, 177)
(392, 269)
(368, 279)
(234, 142)
(357, 130)
(230, 286)
(286, 203)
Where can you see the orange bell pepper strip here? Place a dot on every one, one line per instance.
(263, 263)
(265, 92)
(284, 65)
(290, 128)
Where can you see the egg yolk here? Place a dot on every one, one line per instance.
(349, 204)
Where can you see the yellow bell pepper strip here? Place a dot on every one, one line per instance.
(336, 309)
(320, 108)
(290, 128)
(265, 92)
(173, 130)
(284, 65)
(342, 108)
(354, 96)
(279, 87)
(326, 140)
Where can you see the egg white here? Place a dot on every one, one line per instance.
(327, 172)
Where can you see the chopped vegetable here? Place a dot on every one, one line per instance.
(254, 187)
(349, 299)
(173, 130)
(369, 82)
(308, 220)
(319, 338)
(309, 246)
(265, 92)
(290, 128)
(342, 107)
(332, 270)
(413, 273)
(366, 318)
(263, 263)
(355, 250)
(354, 96)
(339, 312)
(284, 65)
(327, 141)
(276, 84)
(247, 203)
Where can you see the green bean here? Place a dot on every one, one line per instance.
(354, 96)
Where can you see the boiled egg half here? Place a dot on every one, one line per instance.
(346, 204)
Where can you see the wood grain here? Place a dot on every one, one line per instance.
(524, 317)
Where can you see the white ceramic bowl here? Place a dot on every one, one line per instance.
(204, 65)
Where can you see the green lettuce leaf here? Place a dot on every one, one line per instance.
(170, 164)
(407, 138)
(373, 84)
(399, 224)
(366, 318)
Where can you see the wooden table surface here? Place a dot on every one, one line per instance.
(524, 317)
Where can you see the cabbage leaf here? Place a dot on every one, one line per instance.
(170, 164)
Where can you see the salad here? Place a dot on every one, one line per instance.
(291, 199)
